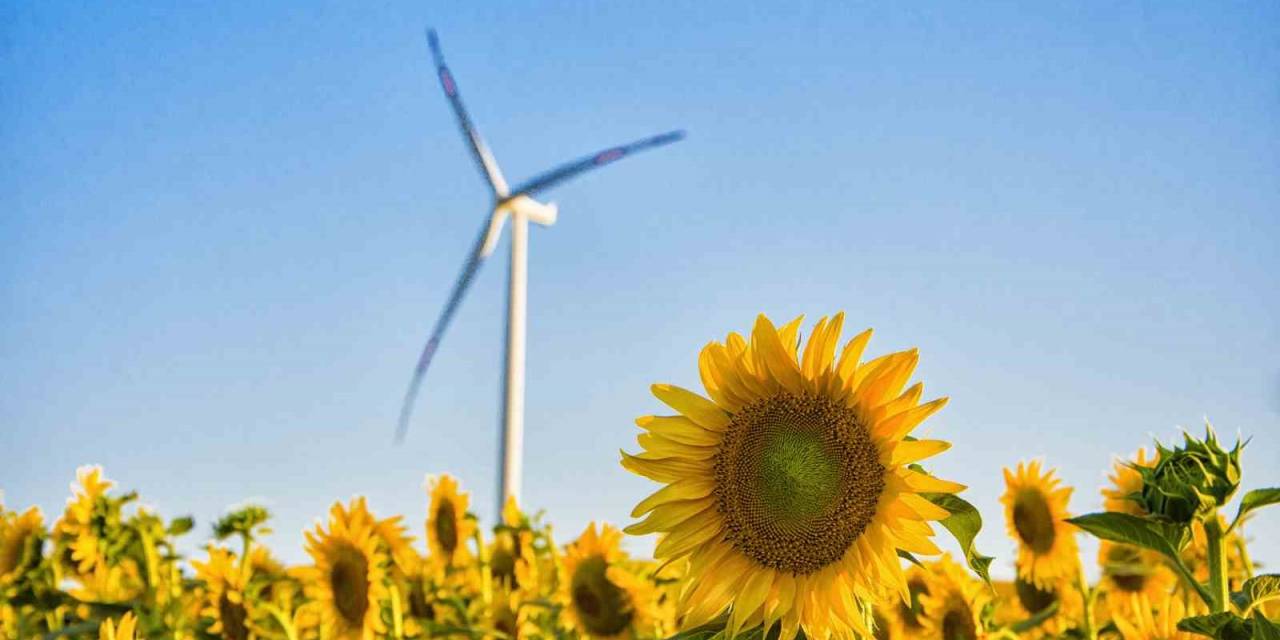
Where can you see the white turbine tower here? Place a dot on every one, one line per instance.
(519, 205)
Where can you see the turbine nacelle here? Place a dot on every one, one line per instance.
(517, 205)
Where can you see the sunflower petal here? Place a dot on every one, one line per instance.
(697, 408)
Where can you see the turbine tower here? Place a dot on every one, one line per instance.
(519, 205)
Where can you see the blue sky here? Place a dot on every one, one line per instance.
(226, 230)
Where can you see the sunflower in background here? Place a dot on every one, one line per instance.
(348, 578)
(1128, 570)
(513, 564)
(507, 616)
(905, 618)
(21, 537)
(109, 630)
(792, 489)
(81, 526)
(1035, 514)
(448, 524)
(1021, 600)
(602, 598)
(1150, 619)
(953, 606)
(224, 599)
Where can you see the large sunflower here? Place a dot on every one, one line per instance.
(603, 599)
(953, 606)
(448, 526)
(792, 489)
(20, 539)
(224, 602)
(1036, 513)
(348, 577)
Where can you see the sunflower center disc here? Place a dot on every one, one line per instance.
(957, 624)
(447, 526)
(603, 607)
(1033, 520)
(797, 481)
(233, 618)
(349, 579)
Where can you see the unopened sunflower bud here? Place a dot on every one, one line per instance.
(1191, 481)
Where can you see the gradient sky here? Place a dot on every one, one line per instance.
(227, 228)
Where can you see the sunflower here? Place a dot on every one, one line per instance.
(1129, 570)
(904, 618)
(793, 487)
(349, 571)
(109, 630)
(1036, 513)
(508, 618)
(603, 599)
(82, 522)
(448, 526)
(1020, 600)
(1126, 481)
(224, 600)
(953, 606)
(1149, 619)
(21, 537)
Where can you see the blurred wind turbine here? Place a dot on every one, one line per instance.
(519, 205)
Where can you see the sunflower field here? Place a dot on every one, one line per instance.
(794, 501)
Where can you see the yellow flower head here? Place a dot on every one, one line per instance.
(793, 487)
(349, 573)
(1036, 513)
(900, 618)
(953, 606)
(1128, 570)
(1126, 481)
(77, 526)
(224, 601)
(448, 526)
(20, 538)
(603, 599)
(109, 630)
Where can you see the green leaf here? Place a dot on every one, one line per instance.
(906, 555)
(1210, 625)
(1264, 629)
(703, 632)
(1257, 590)
(1256, 499)
(1037, 619)
(964, 523)
(179, 526)
(1167, 539)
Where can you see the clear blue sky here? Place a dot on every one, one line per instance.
(226, 229)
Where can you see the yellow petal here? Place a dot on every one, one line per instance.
(686, 538)
(668, 516)
(680, 429)
(663, 469)
(665, 447)
(925, 483)
(686, 489)
(847, 365)
(769, 347)
(697, 408)
(897, 426)
(912, 451)
(748, 601)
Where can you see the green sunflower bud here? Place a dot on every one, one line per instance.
(1192, 481)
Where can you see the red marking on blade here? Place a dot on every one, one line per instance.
(447, 79)
(609, 156)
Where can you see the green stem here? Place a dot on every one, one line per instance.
(1090, 631)
(1183, 572)
(1217, 566)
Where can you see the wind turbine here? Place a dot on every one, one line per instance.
(519, 205)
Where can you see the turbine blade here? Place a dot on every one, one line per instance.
(479, 151)
(570, 170)
(460, 286)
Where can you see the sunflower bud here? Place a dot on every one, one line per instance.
(1193, 481)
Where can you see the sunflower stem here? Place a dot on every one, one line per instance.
(1217, 566)
(1089, 596)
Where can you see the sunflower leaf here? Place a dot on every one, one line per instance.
(1211, 625)
(964, 523)
(906, 555)
(1167, 539)
(1036, 620)
(1256, 591)
(1264, 629)
(1256, 499)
